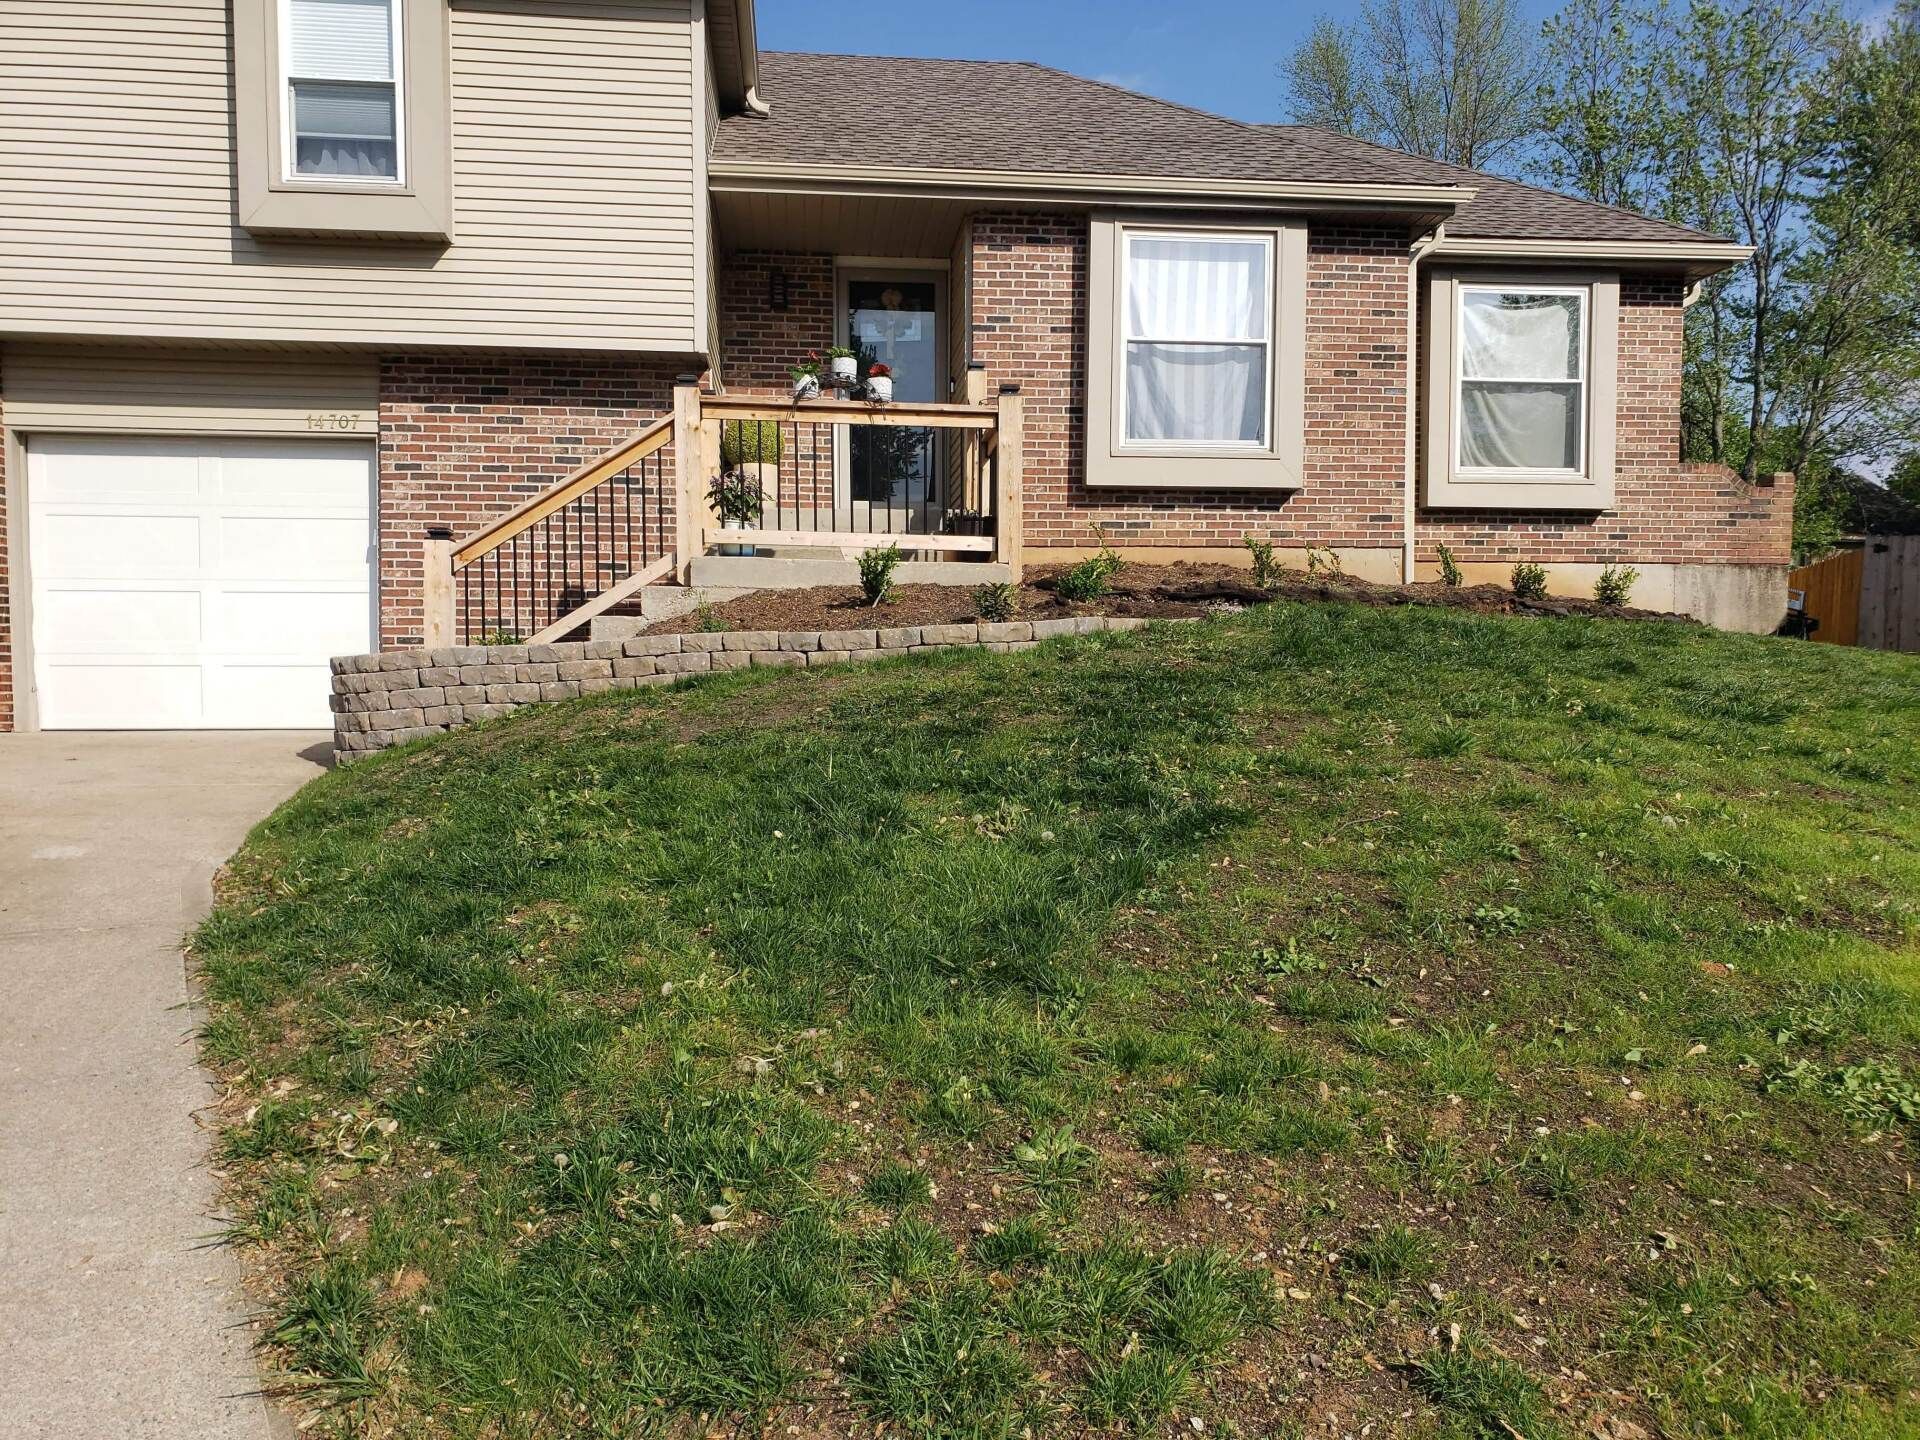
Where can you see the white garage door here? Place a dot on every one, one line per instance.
(181, 584)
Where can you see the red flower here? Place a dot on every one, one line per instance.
(879, 369)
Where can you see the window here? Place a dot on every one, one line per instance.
(341, 60)
(1197, 320)
(1196, 353)
(1523, 379)
(1522, 374)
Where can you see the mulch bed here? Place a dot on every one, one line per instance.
(1153, 592)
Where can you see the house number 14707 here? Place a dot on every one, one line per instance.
(333, 422)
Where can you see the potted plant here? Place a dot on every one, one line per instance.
(843, 365)
(806, 377)
(966, 522)
(880, 383)
(737, 499)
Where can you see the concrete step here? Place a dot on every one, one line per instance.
(661, 602)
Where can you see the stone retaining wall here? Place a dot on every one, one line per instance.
(401, 695)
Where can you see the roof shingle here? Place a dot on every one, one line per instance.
(1015, 116)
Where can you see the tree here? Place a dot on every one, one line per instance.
(1606, 119)
(1453, 80)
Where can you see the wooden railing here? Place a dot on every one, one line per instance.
(940, 479)
(844, 475)
(573, 551)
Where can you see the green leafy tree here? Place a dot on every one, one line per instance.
(1453, 80)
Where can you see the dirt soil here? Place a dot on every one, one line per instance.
(1155, 592)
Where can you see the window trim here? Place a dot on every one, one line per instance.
(1445, 483)
(285, 79)
(1583, 381)
(1112, 461)
(268, 204)
(1269, 247)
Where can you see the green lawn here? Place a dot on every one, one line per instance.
(1319, 1018)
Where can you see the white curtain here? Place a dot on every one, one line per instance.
(1193, 306)
(1507, 425)
(342, 63)
(1521, 376)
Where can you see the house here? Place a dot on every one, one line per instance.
(307, 306)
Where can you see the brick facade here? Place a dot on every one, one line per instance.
(1028, 323)
(464, 437)
(1665, 511)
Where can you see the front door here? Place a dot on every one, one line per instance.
(888, 476)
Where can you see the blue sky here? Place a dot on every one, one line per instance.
(1226, 64)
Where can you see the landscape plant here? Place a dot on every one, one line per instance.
(1450, 575)
(750, 442)
(1529, 580)
(1615, 584)
(876, 573)
(998, 602)
(737, 497)
(1090, 578)
(1266, 565)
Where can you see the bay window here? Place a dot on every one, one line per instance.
(343, 95)
(1196, 336)
(1520, 392)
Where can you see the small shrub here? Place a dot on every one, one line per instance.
(1323, 560)
(500, 637)
(750, 442)
(1089, 579)
(1529, 580)
(1450, 575)
(1615, 584)
(997, 603)
(708, 622)
(876, 574)
(1266, 567)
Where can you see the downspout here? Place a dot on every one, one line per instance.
(1408, 541)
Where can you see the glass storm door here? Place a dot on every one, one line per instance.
(889, 475)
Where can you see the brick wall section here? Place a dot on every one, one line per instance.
(1029, 326)
(6, 580)
(465, 437)
(1665, 511)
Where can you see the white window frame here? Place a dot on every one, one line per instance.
(1583, 380)
(289, 174)
(1126, 444)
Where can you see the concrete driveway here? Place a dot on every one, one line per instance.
(117, 1317)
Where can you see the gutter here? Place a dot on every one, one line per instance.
(794, 178)
(1409, 512)
(746, 28)
(1698, 258)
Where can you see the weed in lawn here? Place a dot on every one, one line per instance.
(897, 1185)
(1172, 1183)
(947, 1370)
(1392, 1254)
(1487, 1397)
(1053, 1159)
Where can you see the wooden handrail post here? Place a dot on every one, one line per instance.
(1010, 448)
(973, 391)
(689, 508)
(437, 630)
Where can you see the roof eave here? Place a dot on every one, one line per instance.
(1416, 202)
(1697, 259)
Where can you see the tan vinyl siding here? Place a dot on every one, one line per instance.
(574, 128)
(189, 392)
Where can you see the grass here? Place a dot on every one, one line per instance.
(1312, 1020)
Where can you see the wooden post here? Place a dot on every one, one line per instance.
(1007, 520)
(973, 391)
(437, 628)
(689, 507)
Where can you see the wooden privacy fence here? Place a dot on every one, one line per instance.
(1868, 597)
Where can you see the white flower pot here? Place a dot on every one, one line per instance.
(880, 388)
(807, 387)
(741, 526)
(846, 369)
